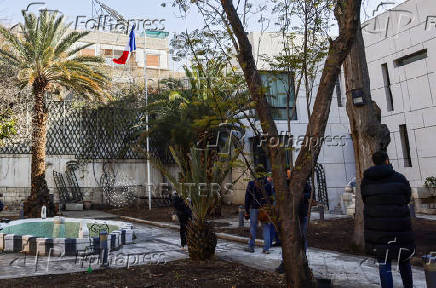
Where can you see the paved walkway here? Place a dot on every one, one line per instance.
(155, 245)
(428, 217)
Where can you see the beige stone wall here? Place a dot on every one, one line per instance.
(119, 39)
(108, 45)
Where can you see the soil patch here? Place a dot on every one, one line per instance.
(163, 214)
(183, 273)
(336, 235)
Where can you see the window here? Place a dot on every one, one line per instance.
(107, 52)
(153, 60)
(87, 52)
(260, 155)
(419, 55)
(278, 86)
(388, 91)
(260, 151)
(338, 91)
(405, 146)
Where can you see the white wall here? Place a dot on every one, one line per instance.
(412, 27)
(338, 161)
(15, 175)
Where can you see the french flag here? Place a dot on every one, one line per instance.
(130, 47)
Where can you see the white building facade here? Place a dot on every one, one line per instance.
(401, 55)
(336, 156)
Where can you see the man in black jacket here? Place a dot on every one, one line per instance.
(184, 213)
(388, 226)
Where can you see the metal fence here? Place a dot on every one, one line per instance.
(90, 133)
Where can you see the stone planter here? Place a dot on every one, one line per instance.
(87, 200)
(425, 200)
(87, 205)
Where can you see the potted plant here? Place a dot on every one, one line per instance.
(430, 195)
(430, 183)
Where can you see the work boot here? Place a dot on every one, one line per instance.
(280, 269)
(249, 249)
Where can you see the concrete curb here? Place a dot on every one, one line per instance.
(223, 236)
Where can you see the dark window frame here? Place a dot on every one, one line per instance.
(387, 85)
(279, 111)
(405, 145)
(339, 91)
(408, 59)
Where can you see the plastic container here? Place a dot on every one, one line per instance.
(430, 269)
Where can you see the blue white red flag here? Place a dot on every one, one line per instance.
(130, 47)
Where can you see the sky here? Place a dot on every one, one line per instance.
(10, 11)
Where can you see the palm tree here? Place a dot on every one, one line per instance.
(45, 55)
(187, 122)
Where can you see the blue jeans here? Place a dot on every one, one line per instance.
(386, 280)
(253, 227)
(266, 236)
(274, 235)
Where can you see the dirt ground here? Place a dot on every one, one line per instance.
(332, 235)
(183, 273)
(336, 235)
(163, 214)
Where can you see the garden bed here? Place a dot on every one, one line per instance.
(336, 235)
(183, 273)
(163, 214)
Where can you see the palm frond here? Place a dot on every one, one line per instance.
(68, 41)
(12, 39)
(6, 57)
(78, 49)
(47, 54)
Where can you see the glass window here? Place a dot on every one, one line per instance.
(420, 55)
(278, 86)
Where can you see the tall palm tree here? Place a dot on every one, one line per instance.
(45, 55)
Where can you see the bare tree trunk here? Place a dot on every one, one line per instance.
(368, 134)
(347, 13)
(39, 191)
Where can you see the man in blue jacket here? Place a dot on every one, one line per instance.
(258, 194)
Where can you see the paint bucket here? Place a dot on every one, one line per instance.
(430, 269)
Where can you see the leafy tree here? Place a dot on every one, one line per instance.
(45, 55)
(8, 111)
(7, 125)
(189, 121)
(346, 13)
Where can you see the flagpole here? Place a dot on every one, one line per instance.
(146, 122)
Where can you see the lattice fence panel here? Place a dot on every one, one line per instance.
(101, 133)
